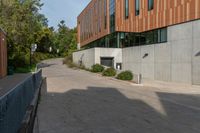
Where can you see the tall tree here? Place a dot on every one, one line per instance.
(21, 21)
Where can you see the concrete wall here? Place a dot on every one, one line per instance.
(108, 52)
(178, 60)
(87, 57)
(174, 61)
(196, 53)
(93, 56)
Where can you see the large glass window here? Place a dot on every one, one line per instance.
(150, 4)
(112, 16)
(126, 9)
(131, 39)
(150, 37)
(163, 35)
(137, 7)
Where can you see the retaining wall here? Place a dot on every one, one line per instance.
(93, 56)
(175, 61)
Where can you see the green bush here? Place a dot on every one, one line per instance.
(110, 72)
(97, 68)
(126, 75)
(67, 60)
(25, 69)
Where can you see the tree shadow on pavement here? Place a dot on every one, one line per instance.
(107, 110)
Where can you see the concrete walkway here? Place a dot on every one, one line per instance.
(76, 101)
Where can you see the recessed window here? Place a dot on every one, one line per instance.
(126, 9)
(163, 35)
(150, 4)
(137, 7)
(112, 16)
(105, 14)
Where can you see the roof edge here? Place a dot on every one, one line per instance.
(84, 8)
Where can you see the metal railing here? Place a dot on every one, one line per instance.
(13, 105)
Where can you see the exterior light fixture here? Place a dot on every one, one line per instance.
(145, 55)
(198, 54)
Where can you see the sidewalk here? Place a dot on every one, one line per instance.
(76, 101)
(10, 82)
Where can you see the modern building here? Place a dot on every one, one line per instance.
(159, 39)
(3, 54)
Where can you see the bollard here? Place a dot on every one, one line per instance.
(140, 79)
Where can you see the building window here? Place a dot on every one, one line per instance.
(112, 16)
(163, 35)
(137, 7)
(150, 4)
(99, 13)
(128, 39)
(105, 14)
(126, 9)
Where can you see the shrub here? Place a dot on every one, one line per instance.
(109, 72)
(67, 60)
(25, 69)
(126, 75)
(97, 68)
(71, 65)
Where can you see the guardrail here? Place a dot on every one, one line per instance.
(14, 105)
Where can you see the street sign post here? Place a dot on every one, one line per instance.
(32, 50)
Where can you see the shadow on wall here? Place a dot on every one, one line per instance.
(198, 54)
(106, 110)
(81, 60)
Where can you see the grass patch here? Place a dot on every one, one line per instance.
(26, 69)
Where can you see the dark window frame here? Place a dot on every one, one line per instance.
(137, 7)
(126, 4)
(105, 14)
(150, 5)
(112, 15)
(134, 39)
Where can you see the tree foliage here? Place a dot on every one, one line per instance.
(25, 26)
(66, 38)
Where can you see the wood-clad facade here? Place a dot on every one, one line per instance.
(163, 14)
(91, 22)
(3, 54)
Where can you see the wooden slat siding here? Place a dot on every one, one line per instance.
(3, 55)
(165, 13)
(93, 24)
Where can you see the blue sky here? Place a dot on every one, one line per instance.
(68, 10)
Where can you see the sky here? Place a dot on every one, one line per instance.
(68, 10)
